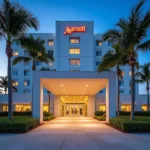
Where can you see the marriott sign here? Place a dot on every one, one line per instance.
(70, 30)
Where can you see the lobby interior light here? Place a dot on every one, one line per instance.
(87, 85)
(61, 85)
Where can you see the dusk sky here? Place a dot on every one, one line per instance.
(104, 13)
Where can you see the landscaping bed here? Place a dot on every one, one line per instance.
(123, 123)
(18, 124)
(47, 116)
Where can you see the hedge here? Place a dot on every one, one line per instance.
(126, 113)
(18, 124)
(16, 113)
(127, 125)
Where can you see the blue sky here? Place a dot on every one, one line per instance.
(104, 13)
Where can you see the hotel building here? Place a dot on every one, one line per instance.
(77, 51)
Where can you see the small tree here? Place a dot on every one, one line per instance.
(144, 77)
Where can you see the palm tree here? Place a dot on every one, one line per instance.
(4, 84)
(130, 33)
(114, 59)
(14, 21)
(36, 51)
(1, 91)
(144, 77)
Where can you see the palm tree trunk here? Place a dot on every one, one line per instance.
(132, 93)
(9, 55)
(49, 101)
(118, 94)
(147, 96)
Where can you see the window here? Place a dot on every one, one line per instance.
(45, 108)
(26, 83)
(109, 43)
(14, 72)
(121, 83)
(50, 42)
(97, 63)
(144, 108)
(15, 83)
(50, 63)
(98, 53)
(74, 40)
(26, 91)
(51, 52)
(98, 42)
(26, 63)
(15, 43)
(38, 63)
(74, 51)
(102, 107)
(22, 108)
(121, 91)
(130, 73)
(26, 73)
(122, 73)
(75, 62)
(15, 53)
(126, 107)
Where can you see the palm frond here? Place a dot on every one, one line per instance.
(144, 46)
(20, 58)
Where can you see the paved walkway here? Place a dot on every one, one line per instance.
(75, 134)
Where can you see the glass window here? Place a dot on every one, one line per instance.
(109, 43)
(98, 42)
(121, 91)
(26, 91)
(22, 108)
(74, 51)
(50, 63)
(15, 83)
(75, 62)
(98, 53)
(51, 52)
(102, 107)
(15, 53)
(122, 72)
(126, 107)
(144, 108)
(74, 40)
(50, 42)
(130, 73)
(15, 72)
(45, 108)
(26, 83)
(38, 63)
(26, 73)
(121, 83)
(97, 63)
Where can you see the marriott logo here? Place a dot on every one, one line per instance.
(70, 30)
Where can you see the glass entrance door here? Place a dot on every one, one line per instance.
(74, 110)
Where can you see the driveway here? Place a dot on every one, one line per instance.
(75, 133)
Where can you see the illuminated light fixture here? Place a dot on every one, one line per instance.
(87, 85)
(70, 30)
(61, 85)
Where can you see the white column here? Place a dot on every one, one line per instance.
(38, 100)
(91, 106)
(57, 106)
(110, 99)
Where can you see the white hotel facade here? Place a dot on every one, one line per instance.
(77, 51)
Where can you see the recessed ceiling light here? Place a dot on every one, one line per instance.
(87, 85)
(61, 85)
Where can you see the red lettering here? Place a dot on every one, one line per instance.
(70, 30)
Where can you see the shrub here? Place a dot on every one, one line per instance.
(47, 114)
(137, 113)
(48, 118)
(18, 124)
(127, 125)
(16, 113)
(99, 113)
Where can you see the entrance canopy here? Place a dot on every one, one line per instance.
(74, 86)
